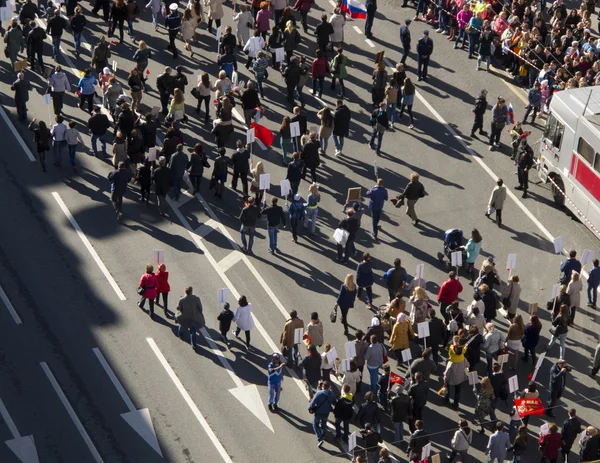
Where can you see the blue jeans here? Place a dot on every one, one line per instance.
(259, 82)
(338, 428)
(487, 59)
(461, 35)
(398, 431)
(273, 238)
(562, 338)
(489, 358)
(251, 231)
(513, 426)
(300, 95)
(72, 150)
(343, 92)
(324, 144)
(55, 47)
(95, 139)
(311, 215)
(58, 148)
(192, 334)
(379, 136)
(443, 19)
(130, 22)
(391, 111)
(274, 391)
(177, 187)
(321, 81)
(473, 39)
(320, 426)
(77, 41)
(338, 142)
(374, 374)
(592, 292)
(375, 218)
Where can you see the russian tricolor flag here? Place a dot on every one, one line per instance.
(354, 8)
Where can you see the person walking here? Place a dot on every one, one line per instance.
(461, 441)
(343, 412)
(378, 195)
(417, 441)
(568, 266)
(162, 184)
(534, 100)
(401, 409)
(593, 282)
(219, 173)
(448, 293)
(455, 373)
(59, 141)
(589, 445)
(371, 7)
(311, 366)
(574, 291)
(296, 211)
(417, 391)
(275, 219)
(571, 429)
(365, 279)
(163, 287)
(379, 124)
(98, 125)
(549, 444)
(395, 279)
(524, 162)
(119, 179)
(345, 299)
(312, 209)
(405, 41)
(479, 111)
(303, 6)
(392, 93)
(351, 224)
(42, 137)
(118, 15)
(412, 193)
(310, 156)
(21, 87)
(519, 446)
(473, 248)
(560, 329)
(374, 360)
(424, 51)
(320, 68)
(498, 444)
(287, 338)
(500, 388)
(59, 85)
(243, 319)
(557, 384)
(195, 167)
(87, 88)
(499, 120)
(55, 27)
(337, 21)
(165, 85)
(173, 24)
(531, 338)
(248, 218)
(325, 128)
(189, 315)
(323, 32)
(402, 335)
(177, 164)
(274, 381)
(100, 55)
(491, 345)
(515, 333)
(407, 98)
(320, 406)
(147, 289)
(380, 76)
(496, 202)
(341, 125)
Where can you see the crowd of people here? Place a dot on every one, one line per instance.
(546, 50)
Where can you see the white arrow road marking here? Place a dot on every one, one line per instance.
(186, 396)
(22, 446)
(139, 420)
(9, 306)
(63, 398)
(89, 246)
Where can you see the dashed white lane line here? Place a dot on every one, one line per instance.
(230, 260)
(63, 398)
(332, 3)
(370, 43)
(188, 400)
(357, 29)
(11, 310)
(89, 246)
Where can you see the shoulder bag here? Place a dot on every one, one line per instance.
(141, 290)
(333, 314)
(506, 300)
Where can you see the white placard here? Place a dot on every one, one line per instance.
(456, 258)
(533, 307)
(152, 154)
(419, 271)
(587, 257)
(279, 55)
(375, 169)
(114, 66)
(555, 290)
(350, 350)
(351, 441)
(502, 359)
(158, 256)
(298, 334)
(426, 452)
(423, 329)
(346, 364)
(222, 295)
(264, 181)
(235, 78)
(331, 356)
(406, 355)
(295, 129)
(178, 115)
(47, 98)
(286, 187)
(473, 378)
(218, 35)
(511, 262)
(513, 384)
(540, 360)
(250, 136)
(559, 244)
(535, 372)
(544, 429)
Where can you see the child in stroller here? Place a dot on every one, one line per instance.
(453, 241)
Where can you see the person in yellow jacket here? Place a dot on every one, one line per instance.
(177, 107)
(402, 333)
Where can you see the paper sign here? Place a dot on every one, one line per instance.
(535, 372)
(249, 136)
(222, 295)
(235, 78)
(158, 256)
(155, 111)
(511, 262)
(295, 129)
(555, 290)
(47, 98)
(152, 154)
(513, 383)
(406, 355)
(559, 244)
(419, 272)
(279, 55)
(351, 441)
(346, 364)
(423, 329)
(286, 188)
(473, 378)
(456, 258)
(375, 169)
(114, 66)
(436, 458)
(265, 181)
(502, 359)
(540, 360)
(587, 257)
(331, 356)
(298, 334)
(218, 36)
(426, 452)
(350, 350)
(533, 308)
(544, 429)
(353, 194)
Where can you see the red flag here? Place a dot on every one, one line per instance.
(147, 72)
(527, 407)
(263, 134)
(394, 378)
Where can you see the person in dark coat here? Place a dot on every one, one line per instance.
(98, 125)
(379, 124)
(165, 84)
(424, 51)
(148, 130)
(395, 278)
(558, 382)
(479, 110)
(241, 167)
(21, 88)
(490, 302)
(14, 42)
(310, 156)
(195, 167)
(219, 174)
(437, 334)
(371, 6)
(345, 299)
(162, 184)
(343, 412)
(291, 74)
(35, 45)
(126, 120)
(405, 41)
(323, 31)
(417, 441)
(524, 165)
(417, 392)
(341, 125)
(178, 163)
(365, 278)
(369, 412)
(590, 445)
(351, 225)
(189, 315)
(571, 429)
(401, 409)
(118, 186)
(473, 354)
(55, 27)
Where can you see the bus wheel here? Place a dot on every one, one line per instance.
(559, 198)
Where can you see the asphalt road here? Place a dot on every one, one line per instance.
(68, 307)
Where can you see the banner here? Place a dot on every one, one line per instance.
(526, 407)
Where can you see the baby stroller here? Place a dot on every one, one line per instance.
(453, 241)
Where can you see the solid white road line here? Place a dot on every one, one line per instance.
(12, 427)
(186, 396)
(357, 29)
(113, 378)
(13, 130)
(370, 43)
(71, 412)
(89, 247)
(9, 306)
(230, 260)
(332, 3)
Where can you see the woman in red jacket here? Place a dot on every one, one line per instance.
(163, 287)
(549, 445)
(320, 68)
(147, 289)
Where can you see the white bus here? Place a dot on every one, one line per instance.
(569, 153)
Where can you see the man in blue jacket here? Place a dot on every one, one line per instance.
(173, 23)
(321, 405)
(405, 37)
(593, 282)
(568, 266)
(535, 102)
(379, 196)
(424, 51)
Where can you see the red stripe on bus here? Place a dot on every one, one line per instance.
(586, 176)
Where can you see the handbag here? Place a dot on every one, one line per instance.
(443, 392)
(141, 290)
(333, 314)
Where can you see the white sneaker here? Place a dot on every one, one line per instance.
(411, 126)
(439, 30)
(445, 33)
(338, 152)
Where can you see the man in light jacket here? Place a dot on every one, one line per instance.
(59, 84)
(498, 445)
(496, 202)
(290, 348)
(189, 315)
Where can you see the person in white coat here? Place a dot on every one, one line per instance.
(254, 44)
(155, 7)
(188, 30)
(574, 291)
(245, 23)
(461, 442)
(215, 13)
(243, 319)
(338, 21)
(496, 202)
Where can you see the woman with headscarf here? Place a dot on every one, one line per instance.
(375, 329)
(402, 334)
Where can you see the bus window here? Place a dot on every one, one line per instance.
(586, 151)
(597, 163)
(554, 131)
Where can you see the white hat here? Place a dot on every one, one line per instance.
(106, 70)
(297, 197)
(173, 6)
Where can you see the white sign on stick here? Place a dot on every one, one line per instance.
(218, 35)
(555, 290)
(406, 355)
(420, 271)
(513, 383)
(152, 154)
(587, 257)
(279, 55)
(346, 364)
(502, 359)
(423, 329)
(535, 372)
(540, 360)
(286, 187)
(249, 136)
(375, 169)
(114, 66)
(331, 356)
(47, 98)
(544, 429)
(511, 262)
(351, 441)
(473, 378)
(426, 452)
(456, 258)
(298, 334)
(350, 350)
(158, 256)
(559, 244)
(295, 129)
(264, 181)
(222, 295)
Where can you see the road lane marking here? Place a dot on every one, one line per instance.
(206, 228)
(16, 134)
(519, 94)
(370, 43)
(89, 247)
(230, 260)
(188, 400)
(63, 398)
(357, 29)
(332, 3)
(22, 446)
(11, 310)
